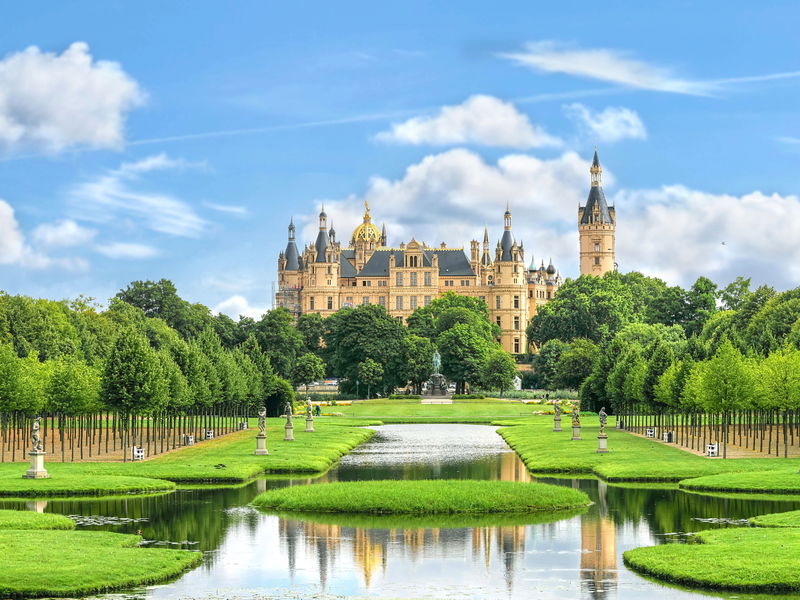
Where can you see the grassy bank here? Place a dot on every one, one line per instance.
(786, 519)
(423, 497)
(741, 559)
(21, 519)
(76, 563)
(777, 481)
(227, 460)
(468, 411)
(71, 479)
(630, 458)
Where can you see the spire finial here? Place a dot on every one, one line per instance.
(596, 170)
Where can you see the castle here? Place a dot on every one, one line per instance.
(328, 276)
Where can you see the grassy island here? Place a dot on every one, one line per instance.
(743, 559)
(43, 557)
(423, 497)
(75, 479)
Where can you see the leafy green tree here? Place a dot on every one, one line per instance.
(307, 369)
(546, 363)
(311, 328)
(735, 293)
(777, 382)
(589, 307)
(39, 327)
(498, 371)
(701, 303)
(160, 300)
(16, 393)
(355, 334)
(575, 363)
(770, 327)
(660, 357)
(463, 351)
(279, 339)
(279, 394)
(370, 373)
(73, 388)
(418, 352)
(727, 382)
(229, 332)
(133, 380)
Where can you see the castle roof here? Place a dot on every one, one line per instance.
(452, 262)
(596, 198)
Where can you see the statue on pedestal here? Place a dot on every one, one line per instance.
(36, 440)
(262, 421)
(288, 411)
(309, 409)
(437, 362)
(603, 419)
(576, 415)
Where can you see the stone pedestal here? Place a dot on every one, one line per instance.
(289, 436)
(557, 423)
(576, 433)
(37, 470)
(309, 424)
(261, 445)
(602, 443)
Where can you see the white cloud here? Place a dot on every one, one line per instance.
(111, 197)
(231, 209)
(482, 120)
(607, 65)
(62, 234)
(15, 251)
(679, 234)
(54, 101)
(610, 125)
(126, 250)
(237, 306)
(674, 232)
(158, 162)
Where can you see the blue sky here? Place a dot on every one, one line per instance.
(216, 123)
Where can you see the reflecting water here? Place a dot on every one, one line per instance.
(578, 555)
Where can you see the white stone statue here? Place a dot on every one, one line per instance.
(262, 420)
(36, 440)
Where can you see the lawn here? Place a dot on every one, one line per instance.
(460, 411)
(786, 519)
(423, 497)
(227, 459)
(630, 457)
(76, 563)
(785, 480)
(22, 519)
(742, 559)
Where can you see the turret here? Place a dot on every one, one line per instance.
(322, 243)
(290, 254)
(597, 225)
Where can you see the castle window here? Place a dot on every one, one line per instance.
(399, 282)
(427, 300)
(499, 322)
(382, 283)
(329, 269)
(399, 302)
(330, 302)
(349, 300)
(355, 283)
(483, 299)
(548, 295)
(365, 300)
(413, 277)
(382, 301)
(311, 303)
(413, 302)
(516, 301)
(530, 293)
(516, 323)
(596, 247)
(497, 302)
(516, 345)
(597, 260)
(427, 277)
(329, 282)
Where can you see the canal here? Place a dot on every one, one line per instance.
(250, 554)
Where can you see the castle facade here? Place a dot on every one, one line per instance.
(327, 276)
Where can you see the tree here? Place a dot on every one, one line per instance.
(463, 352)
(735, 293)
(132, 379)
(370, 373)
(727, 382)
(660, 357)
(308, 368)
(311, 328)
(701, 303)
(279, 339)
(575, 364)
(778, 379)
(418, 352)
(590, 307)
(498, 371)
(74, 387)
(545, 363)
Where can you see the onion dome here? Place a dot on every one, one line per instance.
(551, 270)
(366, 231)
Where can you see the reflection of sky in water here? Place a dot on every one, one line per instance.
(256, 555)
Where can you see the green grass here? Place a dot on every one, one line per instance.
(785, 519)
(77, 563)
(460, 411)
(423, 497)
(630, 457)
(778, 481)
(75, 479)
(741, 559)
(23, 519)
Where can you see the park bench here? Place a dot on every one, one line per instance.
(712, 449)
(137, 453)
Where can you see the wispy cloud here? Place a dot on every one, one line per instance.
(114, 197)
(127, 250)
(230, 209)
(62, 234)
(622, 68)
(612, 124)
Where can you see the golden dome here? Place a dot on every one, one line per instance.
(366, 232)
